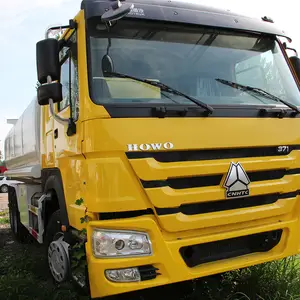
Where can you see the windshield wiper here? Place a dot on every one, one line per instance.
(164, 88)
(258, 91)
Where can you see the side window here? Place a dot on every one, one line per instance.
(65, 81)
(69, 77)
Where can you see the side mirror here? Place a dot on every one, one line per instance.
(295, 61)
(47, 59)
(118, 11)
(51, 90)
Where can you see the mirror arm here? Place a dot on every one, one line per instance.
(48, 30)
(55, 116)
(72, 25)
(289, 48)
(71, 124)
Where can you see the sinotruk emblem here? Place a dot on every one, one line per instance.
(236, 182)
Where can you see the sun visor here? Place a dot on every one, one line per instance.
(123, 88)
(186, 13)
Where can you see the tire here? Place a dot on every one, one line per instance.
(4, 188)
(52, 231)
(53, 227)
(19, 231)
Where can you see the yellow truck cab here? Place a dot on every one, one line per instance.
(162, 146)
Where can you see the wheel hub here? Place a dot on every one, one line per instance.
(58, 259)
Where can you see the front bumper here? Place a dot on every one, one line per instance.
(168, 259)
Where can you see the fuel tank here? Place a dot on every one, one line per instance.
(22, 143)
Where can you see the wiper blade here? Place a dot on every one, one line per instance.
(164, 88)
(258, 91)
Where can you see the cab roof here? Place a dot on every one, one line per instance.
(188, 13)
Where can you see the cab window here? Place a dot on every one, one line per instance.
(69, 77)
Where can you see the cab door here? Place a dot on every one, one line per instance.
(66, 137)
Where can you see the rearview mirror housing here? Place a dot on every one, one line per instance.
(117, 11)
(51, 90)
(295, 61)
(47, 59)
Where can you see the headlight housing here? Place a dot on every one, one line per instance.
(119, 243)
(123, 275)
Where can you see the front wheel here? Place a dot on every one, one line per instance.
(59, 256)
(57, 249)
(4, 189)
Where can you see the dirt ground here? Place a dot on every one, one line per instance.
(3, 201)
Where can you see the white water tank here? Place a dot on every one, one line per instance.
(22, 144)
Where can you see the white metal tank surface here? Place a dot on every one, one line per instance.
(22, 144)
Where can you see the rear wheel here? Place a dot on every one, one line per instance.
(4, 188)
(19, 231)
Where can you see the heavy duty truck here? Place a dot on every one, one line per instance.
(163, 146)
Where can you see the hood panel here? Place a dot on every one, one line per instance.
(199, 173)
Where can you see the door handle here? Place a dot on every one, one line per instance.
(56, 133)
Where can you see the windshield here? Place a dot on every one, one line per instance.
(189, 60)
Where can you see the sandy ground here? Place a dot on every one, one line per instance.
(3, 201)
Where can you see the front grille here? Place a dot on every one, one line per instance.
(211, 154)
(148, 272)
(215, 206)
(214, 251)
(205, 190)
(213, 180)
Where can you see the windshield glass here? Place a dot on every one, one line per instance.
(187, 59)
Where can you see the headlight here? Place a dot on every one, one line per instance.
(111, 243)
